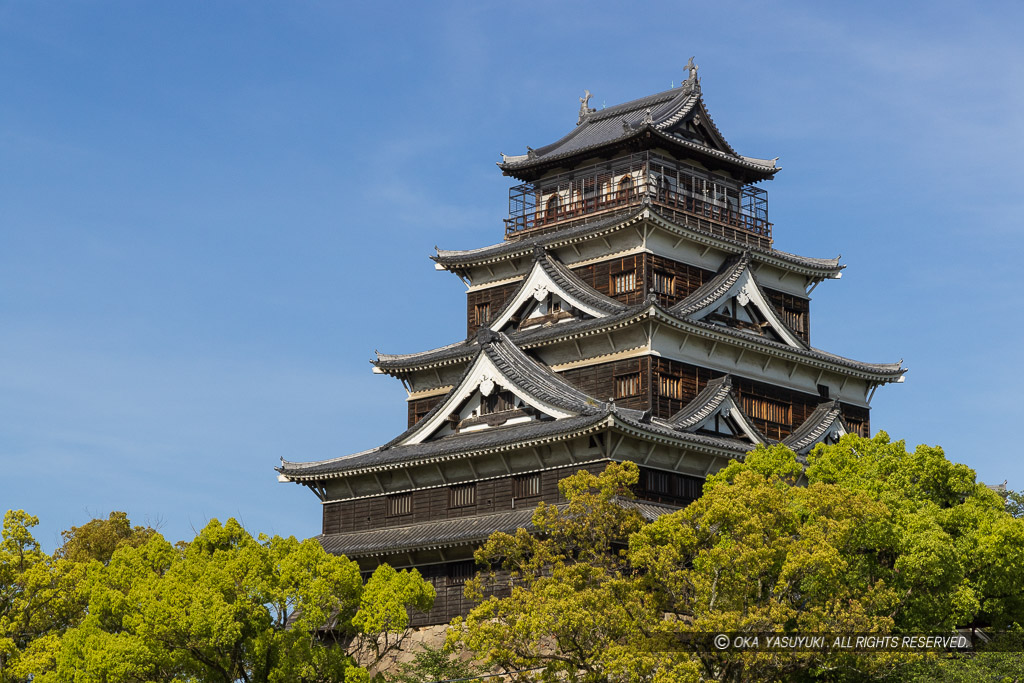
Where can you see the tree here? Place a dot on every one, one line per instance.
(225, 607)
(879, 540)
(39, 599)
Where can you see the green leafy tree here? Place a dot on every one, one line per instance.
(225, 607)
(878, 540)
(39, 599)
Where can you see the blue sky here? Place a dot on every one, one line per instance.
(211, 214)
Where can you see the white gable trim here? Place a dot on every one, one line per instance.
(738, 416)
(746, 291)
(537, 285)
(484, 376)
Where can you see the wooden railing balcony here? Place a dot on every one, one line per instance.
(687, 194)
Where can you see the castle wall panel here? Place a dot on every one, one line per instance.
(421, 406)
(493, 297)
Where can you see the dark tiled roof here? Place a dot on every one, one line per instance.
(813, 428)
(454, 532)
(526, 244)
(714, 288)
(575, 287)
(703, 405)
(537, 379)
(608, 223)
(494, 438)
(656, 114)
(426, 535)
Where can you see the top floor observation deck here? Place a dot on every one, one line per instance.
(690, 195)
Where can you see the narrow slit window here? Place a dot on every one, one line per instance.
(627, 385)
(400, 504)
(664, 283)
(624, 282)
(526, 486)
(482, 314)
(767, 409)
(670, 387)
(459, 572)
(461, 496)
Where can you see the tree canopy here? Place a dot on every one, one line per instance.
(875, 539)
(119, 604)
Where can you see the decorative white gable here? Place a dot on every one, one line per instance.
(540, 296)
(745, 303)
(730, 421)
(482, 380)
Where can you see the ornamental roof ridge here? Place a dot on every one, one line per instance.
(703, 404)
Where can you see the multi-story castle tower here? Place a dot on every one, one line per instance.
(636, 310)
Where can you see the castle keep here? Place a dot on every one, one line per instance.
(635, 310)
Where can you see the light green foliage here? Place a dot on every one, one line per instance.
(39, 599)
(434, 664)
(121, 604)
(877, 540)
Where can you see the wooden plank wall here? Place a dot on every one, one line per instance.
(422, 406)
(796, 308)
(492, 495)
(599, 381)
(495, 296)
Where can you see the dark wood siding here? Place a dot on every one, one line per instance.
(857, 419)
(601, 275)
(422, 406)
(599, 381)
(494, 296)
(795, 311)
(492, 495)
(686, 278)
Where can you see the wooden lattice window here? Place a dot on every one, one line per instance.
(526, 485)
(663, 282)
(459, 572)
(659, 482)
(497, 402)
(462, 495)
(767, 409)
(624, 282)
(400, 504)
(627, 385)
(482, 313)
(670, 387)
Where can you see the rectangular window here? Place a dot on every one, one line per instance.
(482, 313)
(462, 495)
(767, 409)
(624, 282)
(399, 504)
(526, 486)
(670, 387)
(627, 385)
(459, 572)
(663, 283)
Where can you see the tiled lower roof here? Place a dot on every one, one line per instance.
(426, 535)
(608, 223)
(448, 533)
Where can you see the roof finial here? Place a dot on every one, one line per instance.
(692, 83)
(585, 109)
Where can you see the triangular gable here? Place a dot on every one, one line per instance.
(508, 380)
(716, 410)
(693, 122)
(550, 293)
(734, 299)
(824, 425)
